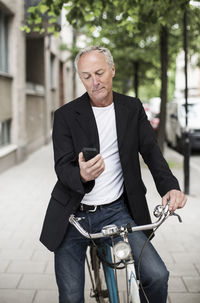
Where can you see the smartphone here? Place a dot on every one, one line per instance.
(89, 152)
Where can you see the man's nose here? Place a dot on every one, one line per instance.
(95, 81)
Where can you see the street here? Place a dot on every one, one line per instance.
(26, 267)
(195, 160)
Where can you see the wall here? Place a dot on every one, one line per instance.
(31, 91)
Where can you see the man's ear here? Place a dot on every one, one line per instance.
(113, 71)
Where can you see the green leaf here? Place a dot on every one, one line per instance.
(50, 13)
(42, 30)
(51, 29)
(52, 20)
(56, 34)
(38, 20)
(31, 9)
(25, 28)
(36, 29)
(44, 8)
(30, 22)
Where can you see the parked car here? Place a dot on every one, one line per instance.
(154, 107)
(175, 123)
(147, 110)
(155, 120)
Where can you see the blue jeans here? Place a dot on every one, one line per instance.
(70, 256)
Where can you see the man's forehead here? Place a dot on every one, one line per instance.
(92, 61)
(94, 70)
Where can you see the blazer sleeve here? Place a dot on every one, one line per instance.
(66, 160)
(150, 151)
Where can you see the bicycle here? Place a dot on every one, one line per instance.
(106, 261)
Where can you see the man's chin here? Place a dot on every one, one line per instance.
(100, 96)
(100, 99)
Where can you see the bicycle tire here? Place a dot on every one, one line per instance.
(101, 293)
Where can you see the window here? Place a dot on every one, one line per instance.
(5, 128)
(3, 42)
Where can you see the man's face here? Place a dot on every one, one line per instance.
(96, 75)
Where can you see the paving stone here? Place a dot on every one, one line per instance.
(192, 241)
(42, 254)
(49, 268)
(182, 269)
(15, 254)
(176, 285)
(171, 244)
(19, 266)
(5, 234)
(9, 280)
(35, 281)
(184, 298)
(11, 243)
(31, 243)
(197, 266)
(16, 296)
(166, 256)
(192, 283)
(186, 257)
(3, 265)
(46, 296)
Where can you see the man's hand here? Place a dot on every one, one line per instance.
(91, 169)
(176, 198)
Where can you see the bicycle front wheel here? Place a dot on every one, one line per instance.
(100, 290)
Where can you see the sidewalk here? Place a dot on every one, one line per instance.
(26, 267)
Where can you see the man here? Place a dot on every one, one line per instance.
(107, 189)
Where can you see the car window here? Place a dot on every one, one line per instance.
(193, 110)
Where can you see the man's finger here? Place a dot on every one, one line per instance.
(81, 157)
(92, 161)
(165, 199)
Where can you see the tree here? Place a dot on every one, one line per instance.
(141, 19)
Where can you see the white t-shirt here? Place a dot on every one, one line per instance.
(109, 185)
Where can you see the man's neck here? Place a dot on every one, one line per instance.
(102, 103)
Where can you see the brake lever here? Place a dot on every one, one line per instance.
(179, 217)
(160, 209)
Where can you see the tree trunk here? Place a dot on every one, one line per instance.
(164, 80)
(136, 77)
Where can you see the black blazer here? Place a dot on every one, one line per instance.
(75, 128)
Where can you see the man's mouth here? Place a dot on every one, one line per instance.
(97, 90)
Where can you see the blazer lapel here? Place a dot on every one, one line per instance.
(122, 114)
(85, 118)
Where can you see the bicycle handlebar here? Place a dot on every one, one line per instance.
(161, 212)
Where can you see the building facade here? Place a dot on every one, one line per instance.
(35, 79)
(193, 76)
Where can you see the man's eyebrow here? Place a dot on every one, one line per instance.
(101, 69)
